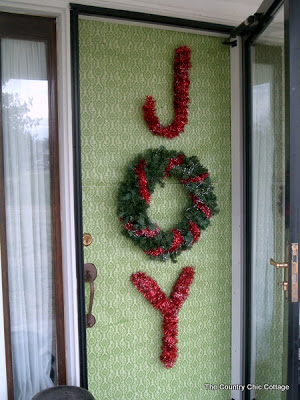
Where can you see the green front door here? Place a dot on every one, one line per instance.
(119, 66)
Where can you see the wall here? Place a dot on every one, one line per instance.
(119, 65)
(226, 12)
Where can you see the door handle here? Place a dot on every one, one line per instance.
(278, 265)
(294, 274)
(284, 284)
(90, 274)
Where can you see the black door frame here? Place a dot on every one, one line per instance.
(292, 18)
(292, 100)
(265, 11)
(76, 10)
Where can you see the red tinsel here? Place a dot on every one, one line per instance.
(155, 252)
(181, 86)
(195, 231)
(173, 162)
(147, 232)
(178, 239)
(198, 179)
(169, 308)
(201, 206)
(142, 179)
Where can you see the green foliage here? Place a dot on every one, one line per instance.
(17, 111)
(133, 209)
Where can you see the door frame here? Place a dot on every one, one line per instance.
(292, 18)
(292, 100)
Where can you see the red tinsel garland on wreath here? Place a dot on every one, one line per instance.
(182, 65)
(134, 198)
(168, 306)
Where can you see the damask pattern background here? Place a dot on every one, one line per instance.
(119, 66)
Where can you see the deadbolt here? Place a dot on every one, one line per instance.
(87, 239)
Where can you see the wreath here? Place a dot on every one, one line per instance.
(134, 196)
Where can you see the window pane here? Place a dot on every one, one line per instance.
(28, 215)
(269, 212)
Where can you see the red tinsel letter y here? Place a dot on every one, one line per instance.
(169, 307)
(182, 65)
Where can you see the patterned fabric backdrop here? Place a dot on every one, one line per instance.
(119, 66)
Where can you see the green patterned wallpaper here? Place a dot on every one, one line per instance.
(119, 66)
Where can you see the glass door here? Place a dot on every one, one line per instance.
(272, 253)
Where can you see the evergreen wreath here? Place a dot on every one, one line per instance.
(134, 197)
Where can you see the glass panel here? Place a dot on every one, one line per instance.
(28, 215)
(269, 210)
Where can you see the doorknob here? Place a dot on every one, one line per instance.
(90, 274)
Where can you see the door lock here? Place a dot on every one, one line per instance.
(294, 283)
(87, 239)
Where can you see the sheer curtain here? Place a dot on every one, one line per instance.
(28, 215)
(263, 241)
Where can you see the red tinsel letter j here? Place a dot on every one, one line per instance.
(168, 306)
(182, 65)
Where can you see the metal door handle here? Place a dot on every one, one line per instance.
(90, 274)
(294, 274)
(278, 265)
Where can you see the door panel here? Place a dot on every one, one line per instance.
(119, 66)
(270, 350)
(269, 209)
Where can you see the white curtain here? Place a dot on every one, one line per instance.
(263, 241)
(28, 215)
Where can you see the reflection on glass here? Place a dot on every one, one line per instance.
(28, 215)
(269, 211)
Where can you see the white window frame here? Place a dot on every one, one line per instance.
(62, 15)
(238, 216)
